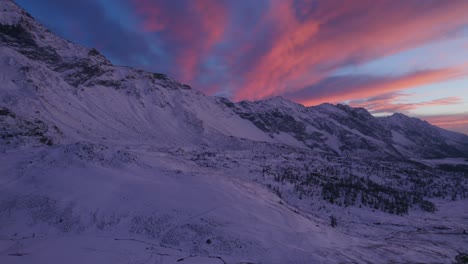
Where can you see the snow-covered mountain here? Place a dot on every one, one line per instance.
(103, 163)
(347, 131)
(80, 94)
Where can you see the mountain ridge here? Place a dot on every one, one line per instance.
(332, 129)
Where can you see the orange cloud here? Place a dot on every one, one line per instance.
(342, 88)
(455, 122)
(304, 52)
(386, 103)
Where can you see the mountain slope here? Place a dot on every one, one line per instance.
(84, 96)
(347, 131)
(81, 93)
(412, 135)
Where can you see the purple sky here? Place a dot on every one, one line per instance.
(388, 56)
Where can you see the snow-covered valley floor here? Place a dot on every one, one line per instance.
(90, 204)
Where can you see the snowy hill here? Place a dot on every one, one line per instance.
(107, 164)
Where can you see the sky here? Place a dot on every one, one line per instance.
(386, 56)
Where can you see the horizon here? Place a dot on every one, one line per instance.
(376, 56)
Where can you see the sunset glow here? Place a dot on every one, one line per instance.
(387, 56)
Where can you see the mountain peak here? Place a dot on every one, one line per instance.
(11, 13)
(399, 116)
(277, 99)
(281, 101)
(354, 110)
(400, 119)
(20, 32)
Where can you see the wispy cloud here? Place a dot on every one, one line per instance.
(388, 103)
(307, 49)
(455, 122)
(349, 87)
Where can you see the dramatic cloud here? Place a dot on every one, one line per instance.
(300, 49)
(342, 88)
(455, 122)
(386, 103)
(308, 48)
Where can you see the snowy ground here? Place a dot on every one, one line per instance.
(133, 205)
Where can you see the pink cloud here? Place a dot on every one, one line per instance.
(343, 88)
(304, 52)
(192, 34)
(386, 103)
(454, 122)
